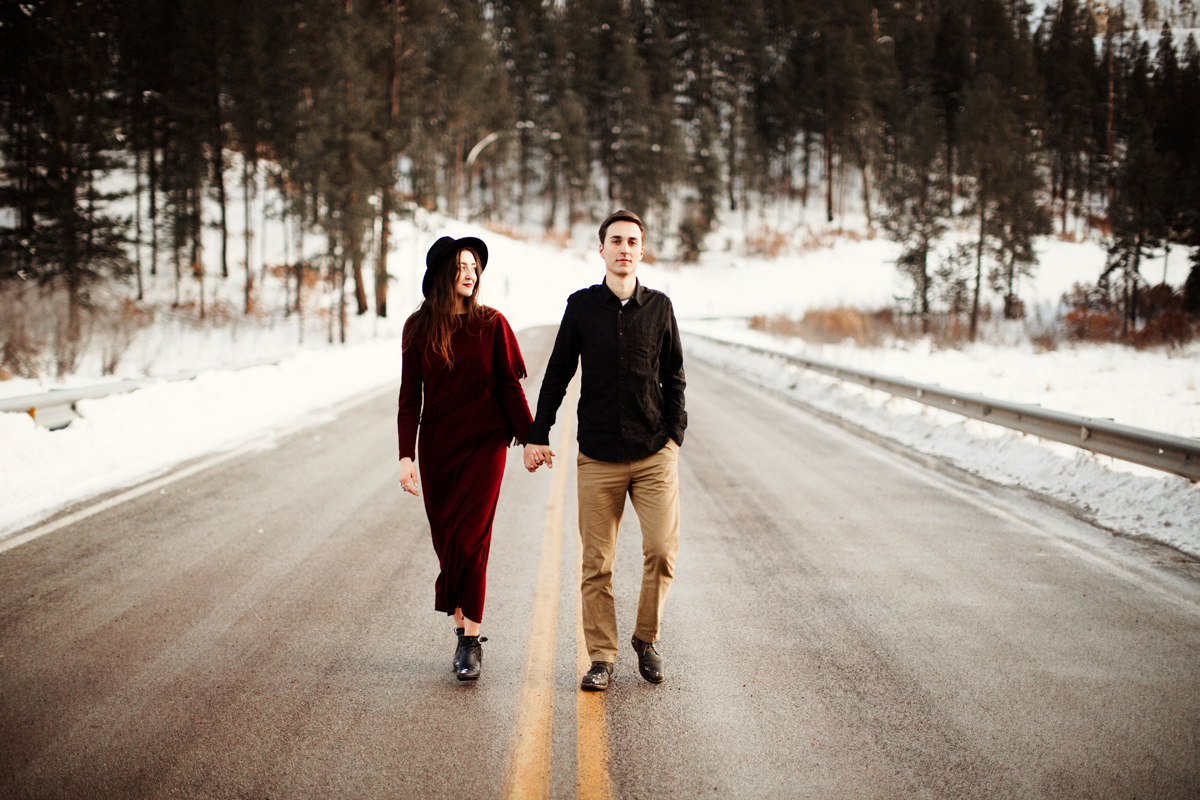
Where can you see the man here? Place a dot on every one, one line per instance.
(631, 423)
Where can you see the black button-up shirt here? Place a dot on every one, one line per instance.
(631, 398)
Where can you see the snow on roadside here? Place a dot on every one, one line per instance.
(1154, 389)
(1134, 500)
(126, 438)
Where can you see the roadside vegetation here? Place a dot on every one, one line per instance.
(149, 148)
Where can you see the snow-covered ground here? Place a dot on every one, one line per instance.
(126, 438)
(1123, 497)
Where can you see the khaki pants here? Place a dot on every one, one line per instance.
(653, 486)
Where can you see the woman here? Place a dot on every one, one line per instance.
(460, 388)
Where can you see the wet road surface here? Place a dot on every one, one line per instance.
(844, 623)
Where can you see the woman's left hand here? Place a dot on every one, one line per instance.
(408, 477)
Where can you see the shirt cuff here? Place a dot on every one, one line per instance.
(538, 436)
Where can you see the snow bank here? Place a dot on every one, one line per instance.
(125, 438)
(1124, 497)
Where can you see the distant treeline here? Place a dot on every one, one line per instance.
(969, 112)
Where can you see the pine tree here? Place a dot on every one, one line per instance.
(1140, 184)
(1176, 90)
(951, 70)
(339, 147)
(61, 119)
(523, 40)
(1186, 221)
(1067, 63)
(467, 96)
(997, 157)
(917, 204)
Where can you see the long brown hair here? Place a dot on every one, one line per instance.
(436, 320)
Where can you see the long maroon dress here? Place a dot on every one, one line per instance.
(467, 416)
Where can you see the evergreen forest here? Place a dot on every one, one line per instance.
(988, 115)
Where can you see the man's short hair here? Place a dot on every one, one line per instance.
(621, 216)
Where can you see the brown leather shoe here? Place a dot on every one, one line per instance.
(650, 663)
(597, 678)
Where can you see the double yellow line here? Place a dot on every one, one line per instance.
(529, 767)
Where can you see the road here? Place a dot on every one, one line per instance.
(846, 622)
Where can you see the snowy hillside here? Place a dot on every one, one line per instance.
(123, 439)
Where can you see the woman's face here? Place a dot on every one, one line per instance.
(468, 276)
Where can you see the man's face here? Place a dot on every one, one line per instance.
(622, 248)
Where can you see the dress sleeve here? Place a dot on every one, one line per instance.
(509, 369)
(409, 413)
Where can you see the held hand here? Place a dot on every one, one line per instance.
(538, 454)
(408, 477)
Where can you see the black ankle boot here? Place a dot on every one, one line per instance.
(471, 662)
(458, 650)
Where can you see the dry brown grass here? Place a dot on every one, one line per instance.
(766, 243)
(309, 278)
(1088, 325)
(558, 238)
(27, 328)
(506, 230)
(1044, 342)
(811, 240)
(831, 326)
(115, 328)
(1170, 328)
(873, 328)
(1096, 318)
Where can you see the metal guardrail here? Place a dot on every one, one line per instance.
(55, 409)
(1164, 451)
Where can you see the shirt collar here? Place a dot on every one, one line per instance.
(638, 296)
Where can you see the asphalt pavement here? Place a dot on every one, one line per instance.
(845, 622)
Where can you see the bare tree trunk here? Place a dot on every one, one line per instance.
(247, 191)
(807, 170)
(177, 260)
(153, 178)
(828, 173)
(456, 190)
(553, 175)
(300, 267)
(354, 245)
(387, 192)
(65, 360)
(866, 187)
(1108, 129)
(381, 265)
(733, 160)
(522, 171)
(1133, 282)
(360, 291)
(978, 266)
(331, 282)
(925, 286)
(219, 179)
(197, 229)
(137, 216)
(342, 300)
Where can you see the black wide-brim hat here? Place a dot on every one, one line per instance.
(443, 250)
